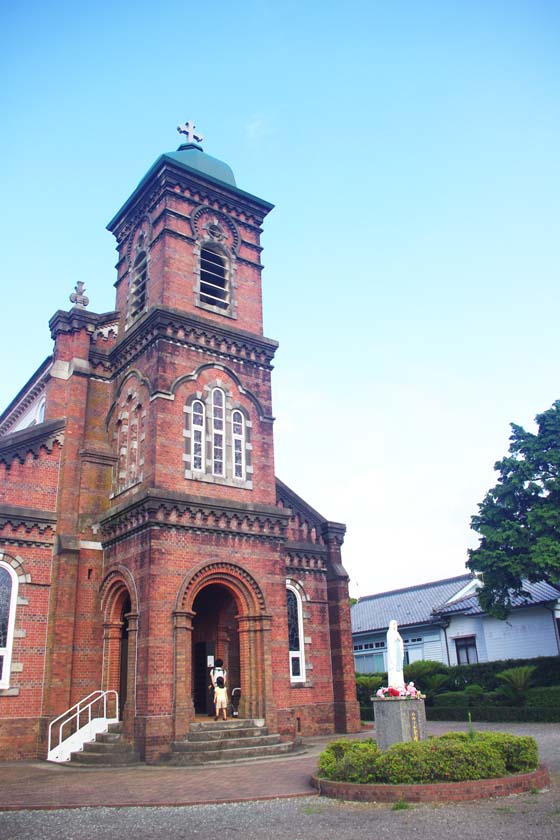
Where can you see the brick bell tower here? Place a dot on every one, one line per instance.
(193, 536)
(158, 537)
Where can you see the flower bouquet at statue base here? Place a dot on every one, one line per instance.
(407, 691)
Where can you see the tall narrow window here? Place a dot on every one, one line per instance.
(218, 430)
(197, 438)
(138, 289)
(295, 636)
(213, 279)
(8, 594)
(238, 440)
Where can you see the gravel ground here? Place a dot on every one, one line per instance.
(523, 817)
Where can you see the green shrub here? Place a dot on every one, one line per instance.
(366, 686)
(515, 683)
(349, 761)
(358, 763)
(419, 671)
(547, 672)
(475, 694)
(497, 713)
(437, 760)
(519, 752)
(452, 699)
(547, 697)
(453, 757)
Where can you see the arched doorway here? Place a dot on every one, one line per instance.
(119, 606)
(215, 636)
(220, 604)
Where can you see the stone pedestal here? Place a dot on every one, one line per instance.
(399, 719)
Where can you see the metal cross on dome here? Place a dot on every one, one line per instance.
(188, 129)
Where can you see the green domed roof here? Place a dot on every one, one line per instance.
(195, 161)
(193, 157)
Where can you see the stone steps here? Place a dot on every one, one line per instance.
(228, 754)
(236, 740)
(226, 744)
(108, 750)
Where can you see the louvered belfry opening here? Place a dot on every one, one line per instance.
(213, 279)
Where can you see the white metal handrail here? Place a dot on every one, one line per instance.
(83, 731)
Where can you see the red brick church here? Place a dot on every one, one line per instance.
(142, 529)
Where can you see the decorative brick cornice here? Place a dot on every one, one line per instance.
(160, 509)
(190, 331)
(32, 520)
(31, 440)
(300, 558)
(77, 319)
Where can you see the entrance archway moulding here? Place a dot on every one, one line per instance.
(242, 585)
(254, 640)
(117, 585)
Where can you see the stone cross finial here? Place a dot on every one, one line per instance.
(78, 298)
(188, 130)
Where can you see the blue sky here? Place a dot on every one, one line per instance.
(411, 150)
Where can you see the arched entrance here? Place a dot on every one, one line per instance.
(221, 612)
(120, 626)
(215, 636)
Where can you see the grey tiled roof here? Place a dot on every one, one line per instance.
(538, 593)
(409, 606)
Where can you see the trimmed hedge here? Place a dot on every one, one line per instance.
(496, 714)
(520, 752)
(422, 762)
(547, 672)
(454, 757)
(548, 696)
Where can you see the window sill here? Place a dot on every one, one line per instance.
(225, 481)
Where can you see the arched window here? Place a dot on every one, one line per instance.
(217, 438)
(214, 289)
(218, 403)
(197, 437)
(138, 286)
(8, 596)
(238, 443)
(295, 635)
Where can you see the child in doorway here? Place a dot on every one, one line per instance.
(220, 698)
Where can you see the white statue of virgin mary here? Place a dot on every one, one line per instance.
(395, 656)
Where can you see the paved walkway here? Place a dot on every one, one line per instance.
(40, 785)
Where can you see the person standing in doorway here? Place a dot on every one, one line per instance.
(216, 671)
(220, 698)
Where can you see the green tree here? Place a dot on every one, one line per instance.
(519, 519)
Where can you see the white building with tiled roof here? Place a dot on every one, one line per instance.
(443, 621)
